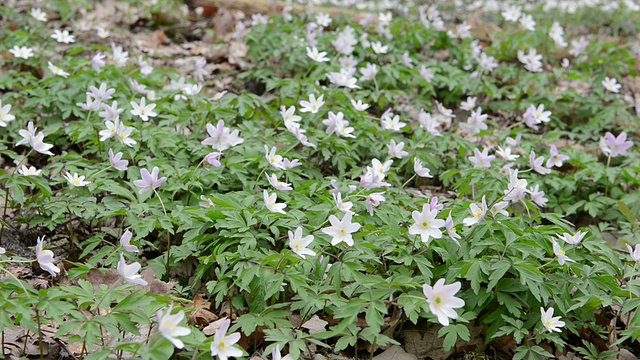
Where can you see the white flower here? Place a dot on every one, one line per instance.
(451, 229)
(572, 239)
(21, 52)
(527, 22)
(222, 345)
(270, 201)
(313, 105)
(323, 19)
(562, 257)
(45, 258)
(340, 230)
(130, 272)
(222, 138)
(478, 213)
(272, 158)
(634, 253)
(36, 141)
(143, 110)
(426, 224)
(75, 180)
(299, 244)
(31, 171)
(57, 71)
(550, 322)
(442, 300)
(279, 185)
(421, 171)
(124, 135)
(317, 56)
(63, 36)
(169, 326)
(275, 354)
(481, 160)
(38, 14)
(469, 104)
(101, 32)
(5, 117)
(512, 13)
(611, 84)
(359, 105)
(378, 48)
(506, 153)
(373, 200)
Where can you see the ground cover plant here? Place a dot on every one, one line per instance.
(436, 181)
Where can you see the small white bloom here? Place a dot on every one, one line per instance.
(299, 244)
(550, 322)
(75, 180)
(270, 201)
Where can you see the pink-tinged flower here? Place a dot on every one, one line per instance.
(102, 93)
(536, 164)
(75, 180)
(117, 162)
(634, 253)
(481, 160)
(125, 241)
(279, 185)
(442, 300)
(611, 84)
(433, 205)
(169, 326)
(130, 272)
(270, 201)
(45, 258)
(97, 62)
(290, 164)
(615, 146)
(537, 196)
(213, 158)
(514, 143)
(222, 138)
(299, 244)
(111, 112)
(91, 104)
(222, 345)
(572, 239)
(555, 158)
(421, 171)
(451, 230)
(36, 141)
(149, 181)
(143, 110)
(373, 201)
(397, 150)
(426, 225)
(340, 230)
(313, 105)
(562, 257)
(550, 322)
(478, 213)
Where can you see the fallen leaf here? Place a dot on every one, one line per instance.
(315, 325)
